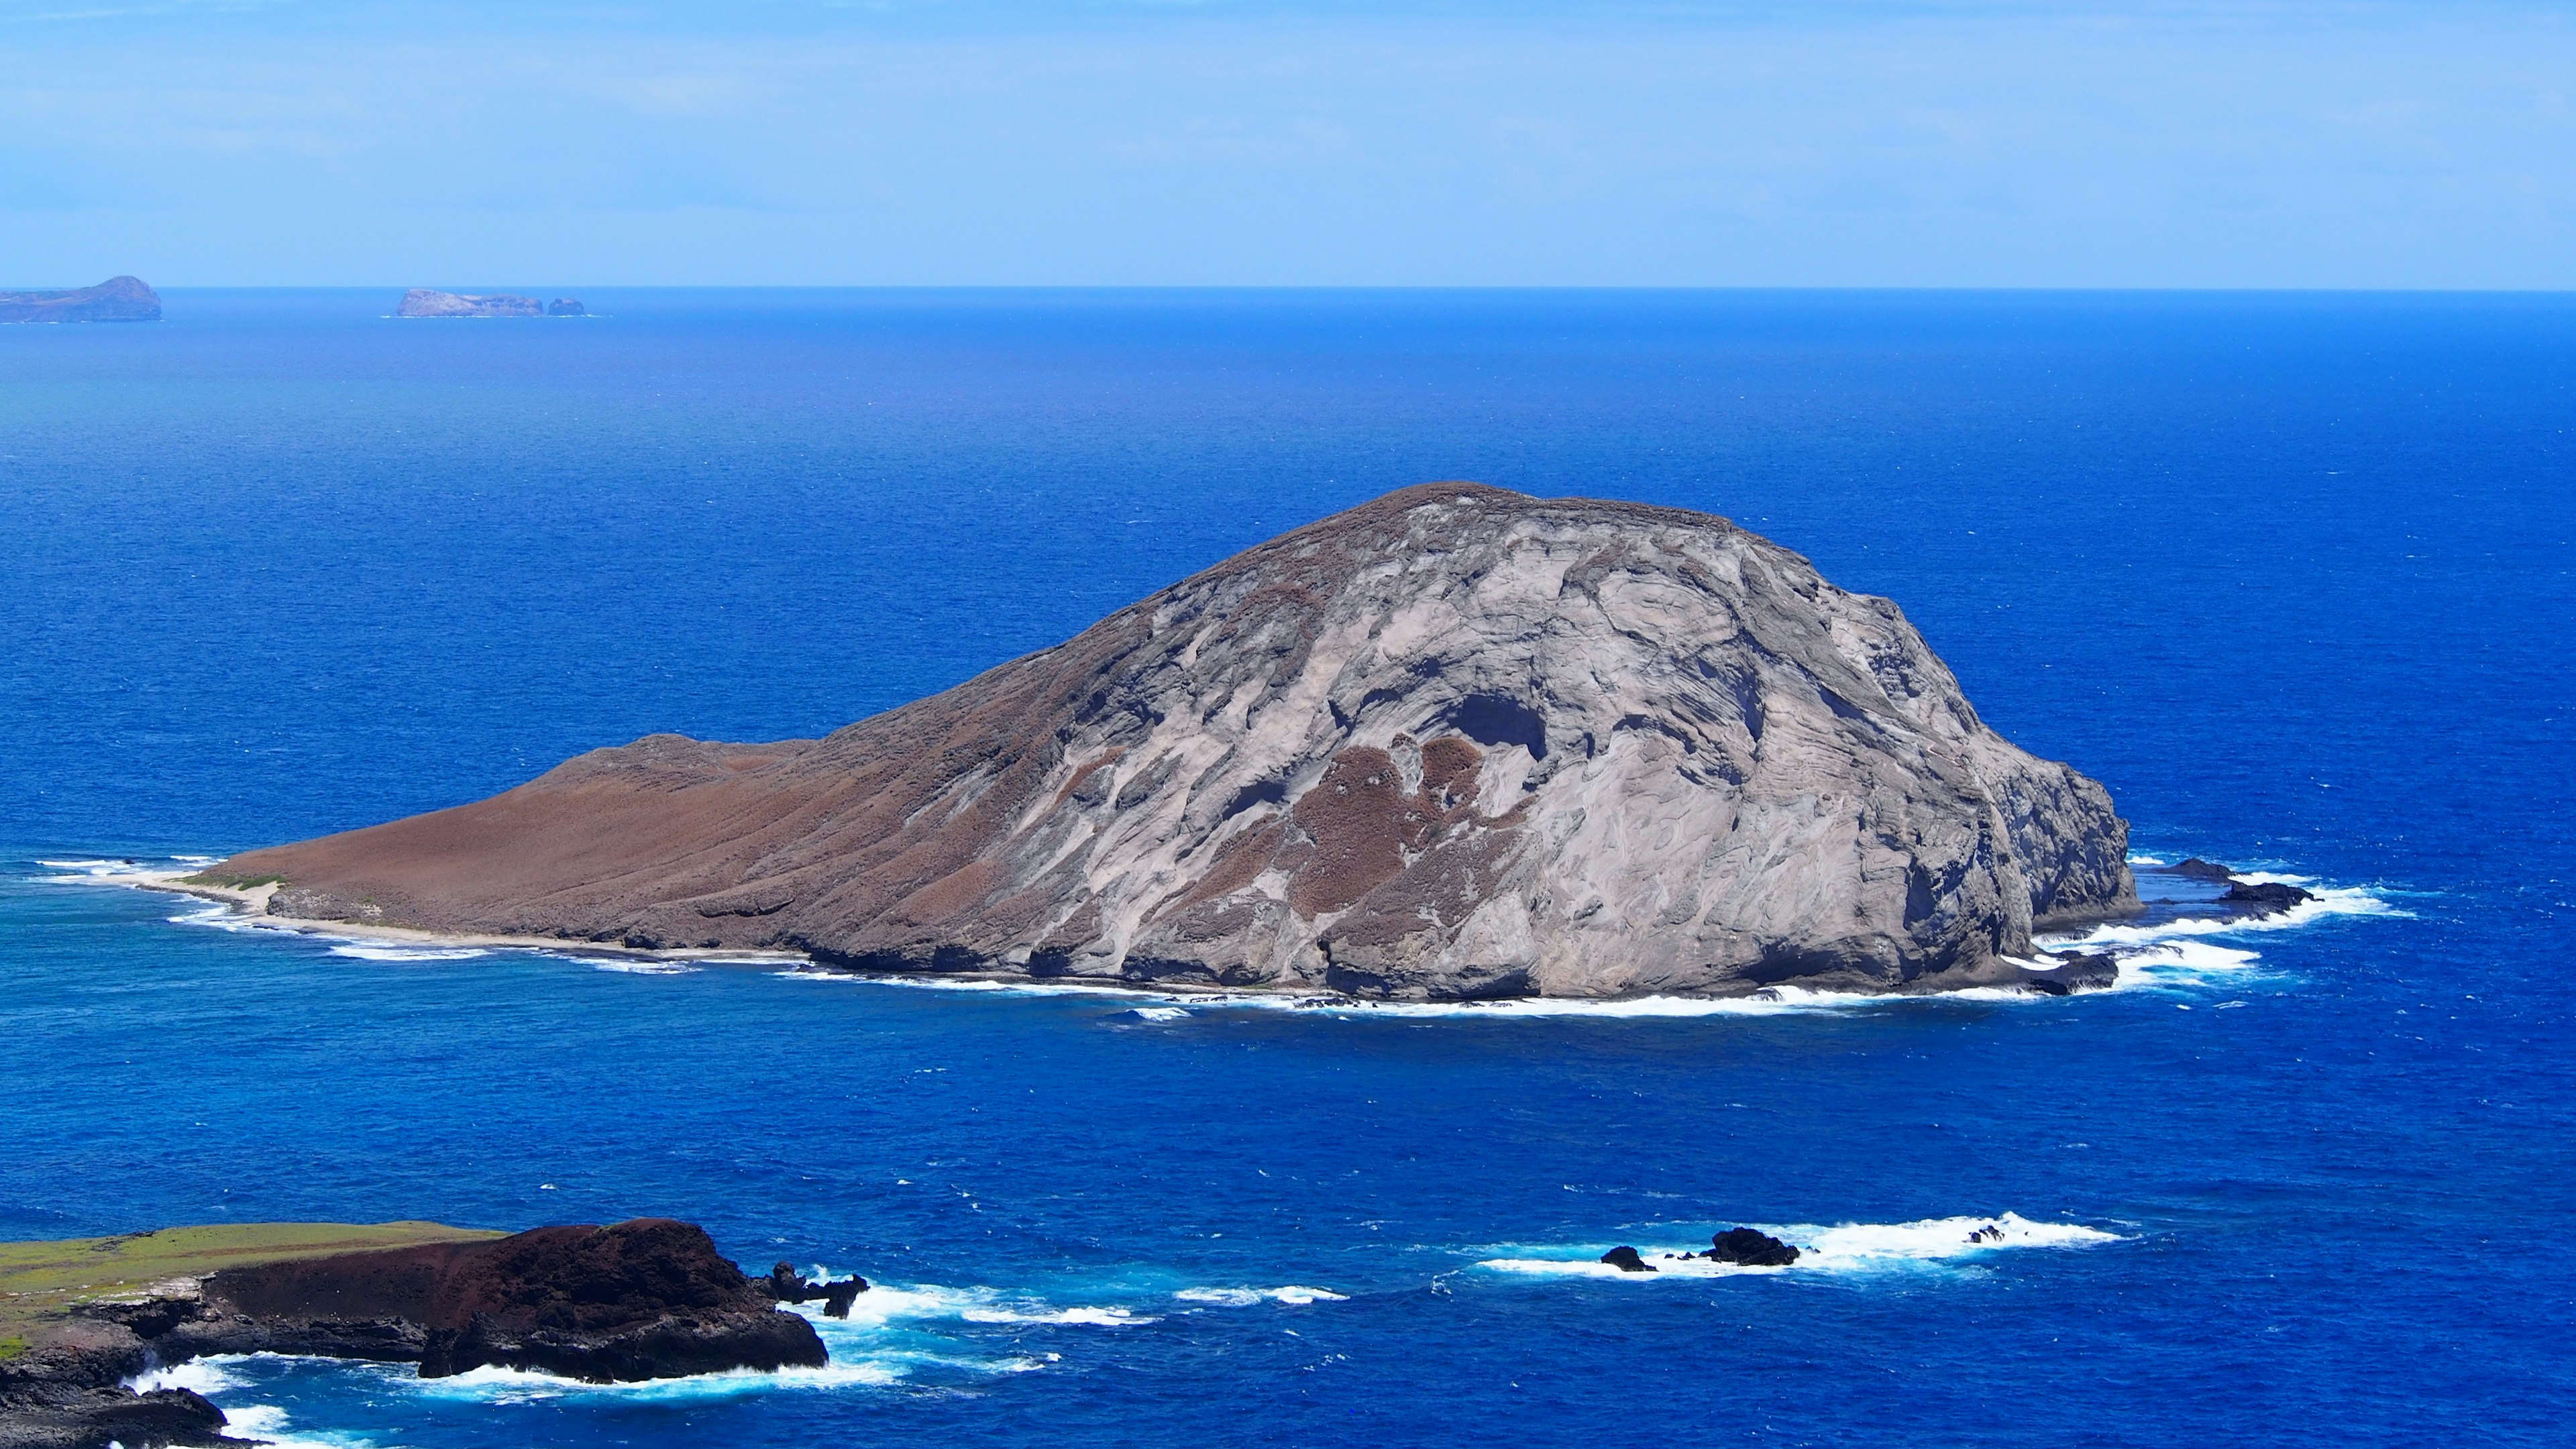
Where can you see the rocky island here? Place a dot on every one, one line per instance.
(645, 1299)
(1456, 743)
(118, 299)
(422, 302)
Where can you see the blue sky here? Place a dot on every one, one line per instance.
(2288, 143)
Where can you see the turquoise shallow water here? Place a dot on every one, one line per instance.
(2292, 575)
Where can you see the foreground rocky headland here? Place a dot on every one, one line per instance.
(423, 302)
(118, 299)
(645, 1299)
(1456, 743)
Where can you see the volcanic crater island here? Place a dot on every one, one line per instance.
(1454, 744)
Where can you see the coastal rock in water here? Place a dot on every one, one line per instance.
(1455, 743)
(786, 1285)
(118, 299)
(644, 1299)
(66, 1392)
(1751, 1248)
(422, 302)
(2075, 971)
(1625, 1259)
(639, 1300)
(2199, 869)
(566, 307)
(2268, 899)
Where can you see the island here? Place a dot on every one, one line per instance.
(645, 1299)
(1454, 744)
(118, 299)
(422, 302)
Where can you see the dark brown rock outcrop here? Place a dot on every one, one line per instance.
(118, 299)
(68, 1393)
(651, 1298)
(1455, 743)
(645, 1299)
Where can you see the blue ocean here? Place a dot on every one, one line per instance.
(2292, 574)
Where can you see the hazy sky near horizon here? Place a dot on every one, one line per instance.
(2154, 143)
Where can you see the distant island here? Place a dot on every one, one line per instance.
(1457, 743)
(118, 299)
(423, 302)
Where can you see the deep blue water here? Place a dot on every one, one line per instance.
(2292, 574)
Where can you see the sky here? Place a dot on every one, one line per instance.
(1904, 143)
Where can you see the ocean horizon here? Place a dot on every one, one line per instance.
(2289, 572)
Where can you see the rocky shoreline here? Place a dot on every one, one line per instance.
(2068, 973)
(646, 1299)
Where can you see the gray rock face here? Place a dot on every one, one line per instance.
(1455, 743)
(118, 299)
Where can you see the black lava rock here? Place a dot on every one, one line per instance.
(2199, 869)
(1751, 1248)
(2268, 899)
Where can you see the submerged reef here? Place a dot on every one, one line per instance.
(1456, 743)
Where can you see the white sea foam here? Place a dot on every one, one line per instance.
(625, 967)
(890, 1303)
(122, 869)
(2327, 902)
(1159, 1013)
(491, 1384)
(208, 1376)
(1090, 1317)
(217, 1378)
(1293, 1295)
(370, 951)
(1844, 1249)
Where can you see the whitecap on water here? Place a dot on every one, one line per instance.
(208, 1376)
(1844, 1249)
(2326, 903)
(1293, 1295)
(890, 1303)
(1091, 1317)
(518, 1386)
(370, 951)
(625, 967)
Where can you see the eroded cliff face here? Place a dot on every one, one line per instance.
(1457, 742)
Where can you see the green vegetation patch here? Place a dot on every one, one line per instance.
(39, 1280)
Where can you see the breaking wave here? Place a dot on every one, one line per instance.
(370, 951)
(221, 1377)
(1845, 1249)
(1293, 1295)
